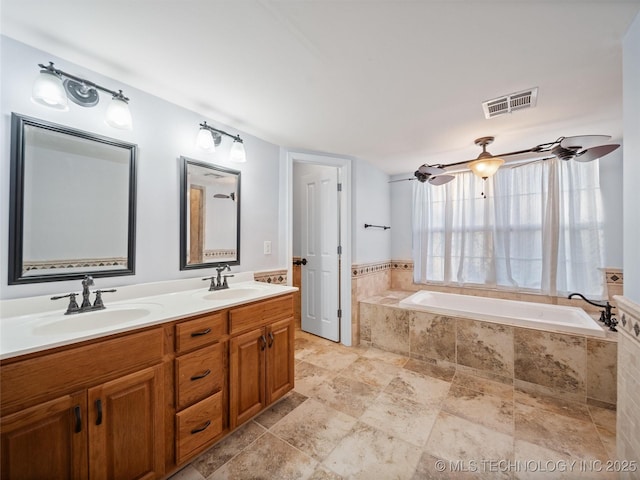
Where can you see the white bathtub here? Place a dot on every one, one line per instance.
(541, 316)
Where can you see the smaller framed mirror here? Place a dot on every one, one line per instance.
(209, 215)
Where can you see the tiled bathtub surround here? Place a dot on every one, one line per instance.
(628, 428)
(366, 280)
(363, 413)
(575, 367)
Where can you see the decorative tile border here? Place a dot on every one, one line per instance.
(613, 276)
(369, 268)
(276, 277)
(402, 265)
(73, 263)
(230, 253)
(628, 317)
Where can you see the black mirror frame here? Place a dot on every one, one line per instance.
(16, 202)
(184, 213)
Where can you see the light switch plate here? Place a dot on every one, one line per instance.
(267, 247)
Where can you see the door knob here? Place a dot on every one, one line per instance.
(300, 262)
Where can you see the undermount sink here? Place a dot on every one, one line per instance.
(231, 294)
(107, 318)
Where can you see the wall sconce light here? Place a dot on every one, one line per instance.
(486, 165)
(209, 138)
(50, 90)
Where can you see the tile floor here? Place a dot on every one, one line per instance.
(364, 413)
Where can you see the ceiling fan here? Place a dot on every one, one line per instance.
(583, 148)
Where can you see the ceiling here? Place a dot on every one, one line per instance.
(397, 83)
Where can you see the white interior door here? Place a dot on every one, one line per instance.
(320, 236)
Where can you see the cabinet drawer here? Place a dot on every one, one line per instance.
(197, 426)
(256, 315)
(198, 375)
(199, 332)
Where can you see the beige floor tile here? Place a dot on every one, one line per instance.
(187, 473)
(371, 371)
(430, 369)
(401, 417)
(366, 453)
(534, 462)
(417, 387)
(433, 468)
(567, 435)
(567, 408)
(608, 439)
(603, 417)
(308, 376)
(269, 457)
(332, 358)
(387, 357)
(484, 385)
(345, 395)
(314, 428)
(454, 438)
(222, 452)
(276, 412)
(488, 410)
(323, 473)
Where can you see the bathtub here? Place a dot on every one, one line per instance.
(555, 318)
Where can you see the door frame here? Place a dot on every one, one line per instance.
(344, 166)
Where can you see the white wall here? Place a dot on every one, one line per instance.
(611, 173)
(371, 205)
(631, 115)
(163, 132)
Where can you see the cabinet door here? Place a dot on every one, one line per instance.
(126, 427)
(280, 359)
(46, 441)
(247, 376)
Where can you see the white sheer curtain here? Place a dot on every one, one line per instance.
(538, 229)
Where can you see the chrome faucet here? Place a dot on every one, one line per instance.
(86, 305)
(606, 316)
(219, 281)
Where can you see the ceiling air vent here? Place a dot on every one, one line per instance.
(510, 103)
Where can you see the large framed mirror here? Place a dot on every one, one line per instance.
(209, 215)
(72, 203)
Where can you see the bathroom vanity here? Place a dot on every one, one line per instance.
(143, 398)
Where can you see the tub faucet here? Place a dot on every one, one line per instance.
(606, 316)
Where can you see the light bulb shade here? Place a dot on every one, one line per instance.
(118, 114)
(486, 167)
(205, 140)
(237, 153)
(48, 91)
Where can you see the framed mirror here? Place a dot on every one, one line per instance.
(209, 215)
(72, 203)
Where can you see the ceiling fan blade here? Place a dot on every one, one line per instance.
(595, 152)
(401, 180)
(440, 179)
(584, 141)
(431, 170)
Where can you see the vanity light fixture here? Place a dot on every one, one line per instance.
(209, 138)
(50, 90)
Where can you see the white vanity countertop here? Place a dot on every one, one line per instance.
(35, 324)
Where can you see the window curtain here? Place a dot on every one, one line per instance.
(538, 229)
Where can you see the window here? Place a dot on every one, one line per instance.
(539, 229)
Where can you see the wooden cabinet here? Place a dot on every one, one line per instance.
(200, 379)
(141, 404)
(111, 428)
(47, 440)
(125, 427)
(261, 359)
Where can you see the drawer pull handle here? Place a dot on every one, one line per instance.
(201, 375)
(270, 339)
(77, 413)
(99, 409)
(202, 428)
(263, 342)
(201, 333)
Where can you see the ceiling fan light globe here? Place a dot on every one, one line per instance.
(486, 167)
